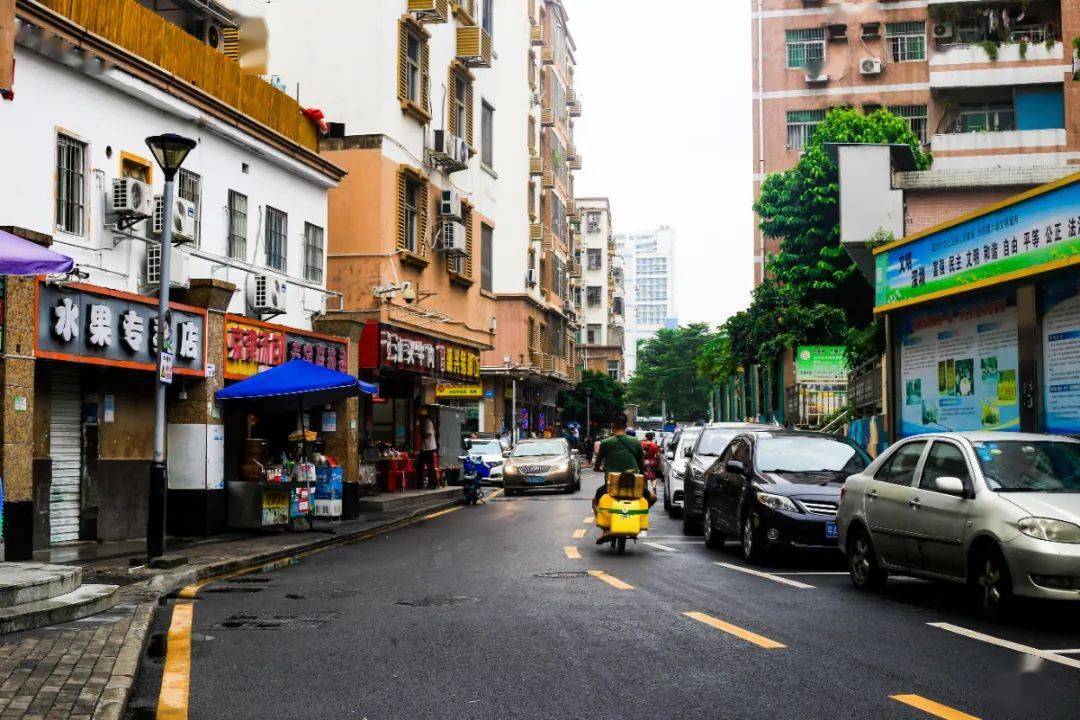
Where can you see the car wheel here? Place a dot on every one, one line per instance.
(992, 584)
(510, 492)
(690, 525)
(863, 567)
(714, 540)
(752, 551)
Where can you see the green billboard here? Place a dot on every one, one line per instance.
(820, 364)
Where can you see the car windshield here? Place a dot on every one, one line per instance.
(687, 440)
(805, 453)
(713, 442)
(543, 447)
(1018, 466)
(485, 447)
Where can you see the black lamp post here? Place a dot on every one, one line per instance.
(170, 151)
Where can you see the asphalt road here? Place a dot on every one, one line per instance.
(459, 617)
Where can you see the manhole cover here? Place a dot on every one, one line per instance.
(438, 601)
(242, 621)
(249, 580)
(562, 575)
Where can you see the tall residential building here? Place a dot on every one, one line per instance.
(649, 262)
(454, 122)
(600, 297)
(987, 86)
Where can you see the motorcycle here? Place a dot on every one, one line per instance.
(473, 473)
(622, 513)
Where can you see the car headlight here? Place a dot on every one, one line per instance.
(697, 473)
(509, 468)
(776, 502)
(562, 467)
(1050, 530)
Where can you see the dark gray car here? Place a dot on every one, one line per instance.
(712, 441)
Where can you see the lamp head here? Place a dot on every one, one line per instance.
(170, 151)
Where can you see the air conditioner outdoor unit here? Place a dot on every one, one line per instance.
(210, 33)
(532, 278)
(870, 66)
(183, 228)
(178, 267)
(131, 198)
(448, 147)
(568, 306)
(267, 294)
(944, 30)
(453, 237)
(536, 98)
(450, 205)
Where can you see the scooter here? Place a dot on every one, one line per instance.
(623, 511)
(473, 473)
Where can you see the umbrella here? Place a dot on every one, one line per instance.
(309, 383)
(22, 257)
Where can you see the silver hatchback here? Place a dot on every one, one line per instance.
(997, 510)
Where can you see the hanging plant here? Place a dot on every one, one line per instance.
(1023, 48)
(991, 49)
(1051, 42)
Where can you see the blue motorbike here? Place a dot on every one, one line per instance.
(473, 473)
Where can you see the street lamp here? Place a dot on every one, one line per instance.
(170, 151)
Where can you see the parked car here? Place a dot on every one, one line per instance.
(542, 463)
(778, 489)
(705, 451)
(999, 511)
(492, 453)
(675, 470)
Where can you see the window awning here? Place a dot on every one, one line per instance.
(22, 257)
(311, 384)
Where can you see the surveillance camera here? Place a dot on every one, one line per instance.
(408, 293)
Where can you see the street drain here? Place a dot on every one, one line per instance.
(242, 621)
(438, 601)
(562, 575)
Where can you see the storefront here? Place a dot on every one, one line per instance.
(467, 396)
(96, 357)
(984, 318)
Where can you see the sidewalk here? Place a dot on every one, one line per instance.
(85, 669)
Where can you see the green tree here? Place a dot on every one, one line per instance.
(667, 370)
(606, 398)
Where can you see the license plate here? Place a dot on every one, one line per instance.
(536, 479)
(830, 530)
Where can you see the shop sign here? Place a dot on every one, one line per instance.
(820, 364)
(251, 347)
(83, 323)
(462, 392)
(402, 350)
(1037, 233)
(959, 367)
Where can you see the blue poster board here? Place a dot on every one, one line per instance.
(1061, 355)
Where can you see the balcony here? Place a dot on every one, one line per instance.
(432, 11)
(474, 47)
(1040, 66)
(547, 117)
(981, 121)
(536, 34)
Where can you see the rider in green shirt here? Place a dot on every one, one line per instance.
(619, 453)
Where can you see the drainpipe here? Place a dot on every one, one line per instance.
(761, 114)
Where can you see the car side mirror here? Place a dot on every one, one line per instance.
(688, 452)
(735, 466)
(949, 486)
(669, 456)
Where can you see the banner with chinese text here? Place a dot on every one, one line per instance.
(252, 346)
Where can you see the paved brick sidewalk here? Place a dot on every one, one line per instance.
(79, 670)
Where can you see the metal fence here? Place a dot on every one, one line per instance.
(812, 405)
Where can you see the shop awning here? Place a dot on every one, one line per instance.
(311, 383)
(22, 257)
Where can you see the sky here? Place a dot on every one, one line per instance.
(666, 134)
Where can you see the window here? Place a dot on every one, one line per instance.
(592, 295)
(488, 20)
(986, 117)
(613, 369)
(805, 47)
(558, 218)
(487, 135)
(900, 468)
(650, 314)
(558, 277)
(412, 213)
(133, 166)
(906, 41)
(800, 127)
(414, 78)
(944, 460)
(487, 247)
(617, 305)
(70, 185)
(916, 117)
(189, 187)
(277, 238)
(592, 334)
(460, 113)
(313, 253)
(238, 205)
(596, 259)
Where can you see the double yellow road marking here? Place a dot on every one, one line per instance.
(735, 630)
(933, 708)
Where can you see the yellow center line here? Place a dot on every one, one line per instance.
(612, 581)
(572, 552)
(933, 708)
(176, 675)
(580, 533)
(735, 630)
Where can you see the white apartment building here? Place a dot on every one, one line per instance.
(599, 297)
(649, 260)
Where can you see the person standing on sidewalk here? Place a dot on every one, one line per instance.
(429, 446)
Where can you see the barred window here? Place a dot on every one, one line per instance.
(70, 185)
(916, 117)
(595, 259)
(805, 46)
(277, 237)
(238, 205)
(906, 41)
(313, 253)
(801, 125)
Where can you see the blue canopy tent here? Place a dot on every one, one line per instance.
(309, 384)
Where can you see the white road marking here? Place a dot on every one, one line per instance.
(1009, 645)
(1073, 651)
(658, 546)
(810, 573)
(767, 576)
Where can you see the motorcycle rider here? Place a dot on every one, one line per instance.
(619, 452)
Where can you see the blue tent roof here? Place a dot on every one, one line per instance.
(312, 383)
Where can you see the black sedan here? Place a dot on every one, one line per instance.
(778, 489)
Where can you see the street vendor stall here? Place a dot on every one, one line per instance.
(282, 466)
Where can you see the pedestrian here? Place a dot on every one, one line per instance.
(651, 451)
(429, 446)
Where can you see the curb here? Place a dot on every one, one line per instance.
(114, 698)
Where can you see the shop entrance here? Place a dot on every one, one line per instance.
(65, 450)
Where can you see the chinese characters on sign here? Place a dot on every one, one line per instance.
(406, 351)
(111, 328)
(250, 348)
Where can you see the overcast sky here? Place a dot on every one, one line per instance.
(666, 134)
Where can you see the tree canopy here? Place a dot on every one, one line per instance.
(607, 398)
(667, 370)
